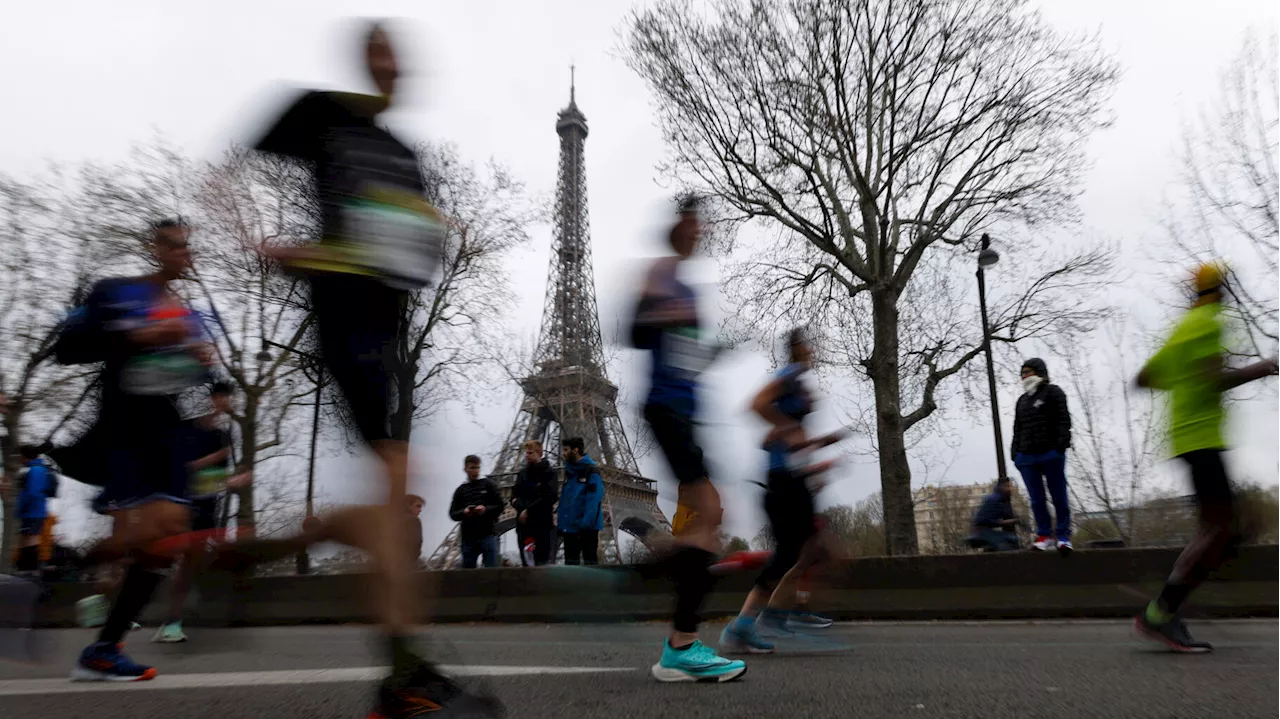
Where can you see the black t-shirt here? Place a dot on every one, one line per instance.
(202, 442)
(375, 219)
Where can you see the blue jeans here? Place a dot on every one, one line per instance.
(997, 540)
(471, 550)
(1040, 469)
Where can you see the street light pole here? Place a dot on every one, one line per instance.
(986, 258)
(304, 557)
(302, 562)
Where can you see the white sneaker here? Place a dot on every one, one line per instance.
(169, 633)
(92, 611)
(1042, 543)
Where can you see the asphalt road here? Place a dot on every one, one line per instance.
(1010, 669)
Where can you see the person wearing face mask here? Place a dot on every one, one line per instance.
(1041, 437)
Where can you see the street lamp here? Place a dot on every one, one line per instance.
(303, 559)
(986, 258)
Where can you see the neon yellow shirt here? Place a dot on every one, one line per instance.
(1196, 414)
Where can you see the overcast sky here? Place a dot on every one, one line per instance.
(87, 79)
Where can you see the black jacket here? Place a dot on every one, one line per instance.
(536, 492)
(1042, 422)
(482, 492)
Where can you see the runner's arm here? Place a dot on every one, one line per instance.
(1228, 378)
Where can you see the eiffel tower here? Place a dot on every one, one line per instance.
(568, 394)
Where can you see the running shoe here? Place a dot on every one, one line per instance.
(92, 611)
(170, 633)
(807, 620)
(1064, 546)
(696, 663)
(741, 637)
(106, 662)
(424, 692)
(1172, 634)
(1042, 543)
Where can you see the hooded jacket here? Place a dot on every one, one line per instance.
(581, 497)
(1041, 421)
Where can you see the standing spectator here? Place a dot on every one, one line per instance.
(995, 526)
(413, 530)
(535, 500)
(580, 517)
(476, 505)
(38, 484)
(1041, 436)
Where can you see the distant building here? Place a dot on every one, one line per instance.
(944, 514)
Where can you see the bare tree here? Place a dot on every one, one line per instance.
(1227, 204)
(451, 323)
(258, 316)
(876, 140)
(1116, 437)
(47, 256)
(860, 527)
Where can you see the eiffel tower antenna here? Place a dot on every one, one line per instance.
(568, 393)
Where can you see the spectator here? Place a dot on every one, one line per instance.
(38, 484)
(414, 504)
(535, 501)
(995, 526)
(1041, 436)
(476, 506)
(580, 517)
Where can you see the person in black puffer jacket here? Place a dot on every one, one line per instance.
(536, 493)
(1041, 437)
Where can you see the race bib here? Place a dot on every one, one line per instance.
(687, 354)
(208, 481)
(400, 235)
(161, 373)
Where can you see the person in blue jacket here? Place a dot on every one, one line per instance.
(580, 517)
(38, 485)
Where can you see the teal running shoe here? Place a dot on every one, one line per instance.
(801, 621)
(696, 663)
(92, 611)
(740, 636)
(169, 633)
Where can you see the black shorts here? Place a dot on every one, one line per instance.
(204, 513)
(142, 455)
(790, 508)
(673, 431)
(30, 526)
(1209, 476)
(358, 321)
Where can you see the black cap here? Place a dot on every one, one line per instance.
(1035, 364)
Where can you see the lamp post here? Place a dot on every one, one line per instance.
(986, 258)
(303, 559)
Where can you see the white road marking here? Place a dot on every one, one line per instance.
(26, 687)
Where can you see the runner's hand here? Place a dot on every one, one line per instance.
(240, 481)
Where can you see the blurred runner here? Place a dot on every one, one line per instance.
(789, 505)
(1191, 366)
(152, 350)
(379, 241)
(211, 475)
(666, 324)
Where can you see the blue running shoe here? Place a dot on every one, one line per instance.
(696, 663)
(740, 637)
(804, 620)
(105, 662)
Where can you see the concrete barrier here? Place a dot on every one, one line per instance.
(1103, 583)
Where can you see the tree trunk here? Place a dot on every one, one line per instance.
(895, 472)
(245, 518)
(9, 466)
